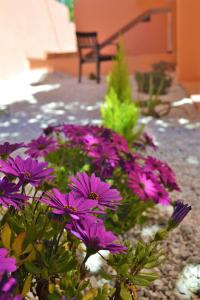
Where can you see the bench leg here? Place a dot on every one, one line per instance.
(80, 72)
(98, 72)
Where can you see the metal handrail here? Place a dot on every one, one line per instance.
(134, 22)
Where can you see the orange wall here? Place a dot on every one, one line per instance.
(107, 16)
(29, 28)
(188, 40)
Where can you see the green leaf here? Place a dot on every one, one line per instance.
(125, 293)
(27, 285)
(144, 279)
(30, 267)
(17, 245)
(6, 235)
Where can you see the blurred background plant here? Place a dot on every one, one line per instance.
(154, 84)
(158, 79)
(70, 5)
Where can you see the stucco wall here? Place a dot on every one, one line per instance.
(29, 28)
(106, 17)
(188, 40)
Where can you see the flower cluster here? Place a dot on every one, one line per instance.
(103, 146)
(77, 185)
(89, 196)
(18, 172)
(94, 235)
(7, 148)
(148, 177)
(41, 146)
(152, 179)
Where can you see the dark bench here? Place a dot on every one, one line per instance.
(86, 41)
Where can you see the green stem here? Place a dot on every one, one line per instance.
(58, 240)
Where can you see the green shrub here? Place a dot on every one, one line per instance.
(119, 112)
(121, 117)
(119, 79)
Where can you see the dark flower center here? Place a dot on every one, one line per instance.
(27, 174)
(71, 208)
(141, 185)
(93, 196)
(41, 147)
(1, 192)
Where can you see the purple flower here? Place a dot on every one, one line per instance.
(8, 296)
(7, 148)
(95, 237)
(104, 158)
(74, 133)
(149, 141)
(67, 204)
(7, 283)
(153, 163)
(41, 146)
(168, 178)
(9, 195)
(180, 212)
(104, 154)
(120, 143)
(144, 141)
(131, 162)
(91, 187)
(142, 186)
(7, 264)
(49, 129)
(90, 140)
(166, 174)
(162, 196)
(27, 170)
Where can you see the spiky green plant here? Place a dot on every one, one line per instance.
(119, 78)
(119, 112)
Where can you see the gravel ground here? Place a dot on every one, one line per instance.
(179, 145)
(59, 98)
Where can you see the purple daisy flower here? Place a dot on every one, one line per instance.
(7, 148)
(180, 212)
(153, 163)
(95, 237)
(149, 141)
(7, 264)
(106, 133)
(49, 129)
(168, 178)
(67, 204)
(74, 133)
(91, 187)
(162, 196)
(27, 170)
(41, 146)
(104, 154)
(142, 186)
(7, 283)
(120, 143)
(105, 159)
(9, 195)
(90, 140)
(144, 141)
(131, 163)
